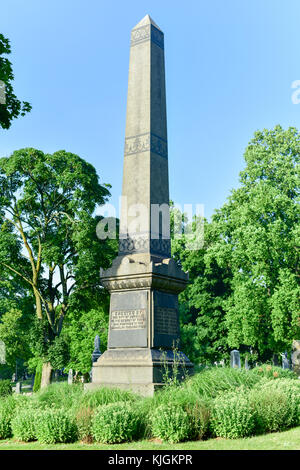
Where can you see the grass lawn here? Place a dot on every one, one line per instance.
(288, 440)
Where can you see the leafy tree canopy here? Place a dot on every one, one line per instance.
(244, 289)
(48, 231)
(12, 107)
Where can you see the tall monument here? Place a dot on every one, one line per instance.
(144, 281)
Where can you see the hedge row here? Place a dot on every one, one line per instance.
(174, 414)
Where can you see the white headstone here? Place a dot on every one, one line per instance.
(235, 360)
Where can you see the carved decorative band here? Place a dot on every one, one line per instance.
(164, 284)
(145, 143)
(144, 33)
(160, 246)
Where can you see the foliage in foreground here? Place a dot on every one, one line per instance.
(232, 415)
(5, 423)
(116, 422)
(171, 423)
(220, 402)
(276, 405)
(53, 426)
(23, 425)
(215, 380)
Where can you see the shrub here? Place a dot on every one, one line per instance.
(210, 382)
(277, 405)
(115, 422)
(5, 424)
(197, 408)
(84, 424)
(23, 425)
(272, 372)
(104, 395)
(171, 423)
(6, 412)
(59, 395)
(199, 415)
(232, 415)
(177, 395)
(53, 426)
(143, 409)
(5, 388)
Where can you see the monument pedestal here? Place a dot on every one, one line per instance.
(144, 325)
(141, 370)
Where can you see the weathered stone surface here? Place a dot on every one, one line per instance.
(128, 319)
(145, 175)
(144, 281)
(138, 368)
(235, 359)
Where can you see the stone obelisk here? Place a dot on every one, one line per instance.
(144, 281)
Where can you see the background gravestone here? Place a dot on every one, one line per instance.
(235, 359)
(97, 352)
(70, 377)
(285, 361)
(2, 353)
(296, 357)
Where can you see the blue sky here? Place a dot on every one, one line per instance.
(229, 70)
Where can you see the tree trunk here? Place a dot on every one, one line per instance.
(46, 375)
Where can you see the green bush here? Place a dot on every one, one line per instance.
(104, 395)
(84, 424)
(210, 382)
(178, 395)
(196, 407)
(7, 408)
(272, 372)
(199, 415)
(171, 423)
(23, 425)
(5, 424)
(232, 415)
(5, 388)
(115, 422)
(276, 404)
(59, 395)
(54, 426)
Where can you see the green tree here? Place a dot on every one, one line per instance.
(81, 329)
(48, 235)
(201, 304)
(244, 282)
(12, 107)
(16, 316)
(259, 240)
